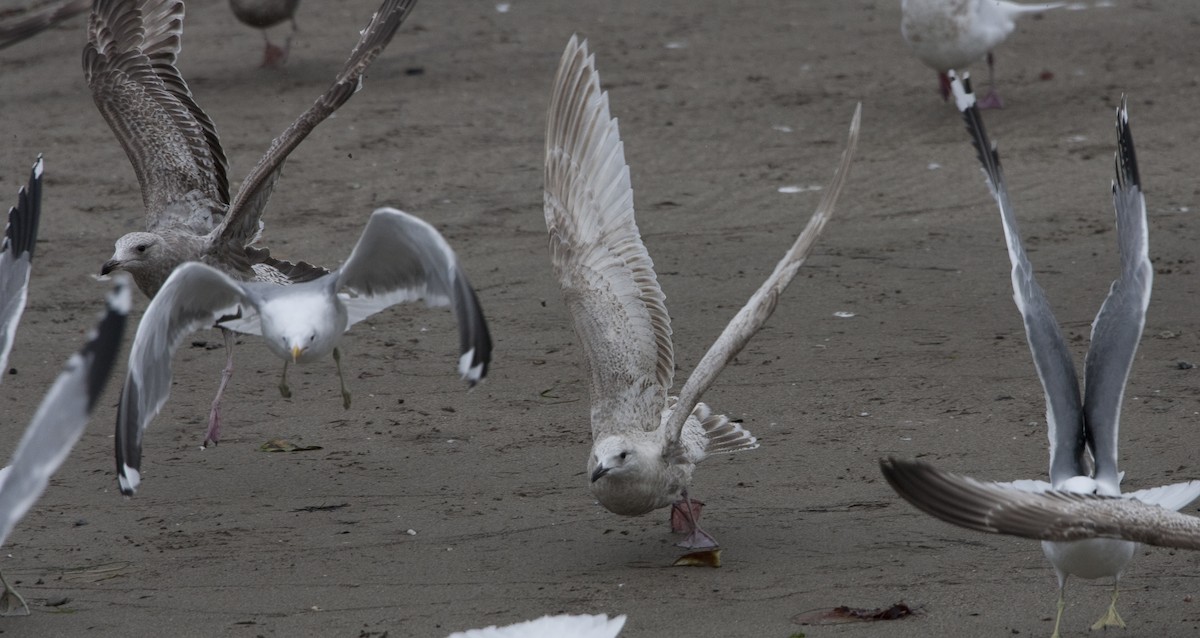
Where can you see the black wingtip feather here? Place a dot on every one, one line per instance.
(102, 349)
(985, 150)
(20, 236)
(1127, 168)
(473, 331)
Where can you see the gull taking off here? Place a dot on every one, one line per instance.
(398, 258)
(949, 35)
(646, 443)
(129, 62)
(58, 424)
(1083, 434)
(16, 259)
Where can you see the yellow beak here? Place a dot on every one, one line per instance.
(296, 354)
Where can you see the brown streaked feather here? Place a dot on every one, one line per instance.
(129, 65)
(242, 223)
(606, 275)
(760, 306)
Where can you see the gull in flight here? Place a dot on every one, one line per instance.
(129, 62)
(16, 259)
(1083, 433)
(949, 35)
(563, 626)
(398, 258)
(646, 443)
(1000, 508)
(264, 14)
(58, 424)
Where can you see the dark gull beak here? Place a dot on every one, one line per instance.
(600, 471)
(109, 266)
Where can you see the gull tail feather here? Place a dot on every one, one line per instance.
(1173, 497)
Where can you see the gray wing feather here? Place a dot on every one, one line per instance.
(129, 63)
(64, 412)
(1049, 516)
(16, 259)
(758, 309)
(194, 296)
(1055, 368)
(242, 224)
(402, 258)
(605, 273)
(1118, 326)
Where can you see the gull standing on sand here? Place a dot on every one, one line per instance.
(563, 626)
(1052, 515)
(264, 14)
(16, 259)
(646, 443)
(129, 61)
(1082, 430)
(949, 35)
(58, 424)
(398, 258)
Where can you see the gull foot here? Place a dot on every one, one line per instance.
(11, 603)
(1111, 619)
(273, 56)
(346, 400)
(698, 539)
(681, 523)
(990, 101)
(285, 391)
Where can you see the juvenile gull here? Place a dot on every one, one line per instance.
(646, 443)
(1083, 433)
(16, 259)
(949, 35)
(129, 61)
(58, 424)
(562, 626)
(398, 258)
(1052, 515)
(264, 14)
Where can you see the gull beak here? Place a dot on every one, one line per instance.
(600, 471)
(296, 354)
(109, 266)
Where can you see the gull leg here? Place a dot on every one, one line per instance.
(944, 86)
(273, 56)
(284, 390)
(337, 360)
(697, 538)
(214, 413)
(1062, 585)
(11, 602)
(992, 99)
(681, 522)
(1112, 618)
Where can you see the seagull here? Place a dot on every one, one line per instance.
(16, 259)
(563, 626)
(1083, 434)
(21, 24)
(58, 424)
(646, 443)
(1051, 515)
(129, 62)
(951, 34)
(264, 14)
(398, 258)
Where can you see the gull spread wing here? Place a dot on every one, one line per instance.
(241, 226)
(760, 306)
(1118, 326)
(1064, 414)
(1049, 516)
(129, 62)
(401, 258)
(606, 275)
(16, 259)
(599, 626)
(38, 20)
(64, 412)
(193, 297)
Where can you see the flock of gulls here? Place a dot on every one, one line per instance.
(200, 262)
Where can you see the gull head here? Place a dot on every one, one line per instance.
(135, 253)
(628, 475)
(300, 328)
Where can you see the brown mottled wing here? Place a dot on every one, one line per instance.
(19, 25)
(760, 306)
(241, 226)
(1050, 516)
(129, 63)
(606, 275)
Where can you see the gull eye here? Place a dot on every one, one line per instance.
(312, 338)
(141, 248)
(623, 455)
